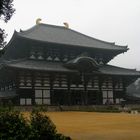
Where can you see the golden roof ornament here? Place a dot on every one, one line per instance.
(38, 21)
(66, 25)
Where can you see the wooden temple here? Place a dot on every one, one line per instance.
(55, 65)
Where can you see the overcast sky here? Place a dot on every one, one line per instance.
(109, 20)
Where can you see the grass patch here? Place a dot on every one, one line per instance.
(97, 126)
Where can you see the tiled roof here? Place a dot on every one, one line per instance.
(38, 65)
(114, 70)
(66, 36)
(59, 67)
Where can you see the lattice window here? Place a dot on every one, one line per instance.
(42, 97)
(40, 56)
(25, 101)
(96, 82)
(32, 55)
(89, 84)
(56, 59)
(65, 59)
(49, 58)
(107, 97)
(119, 100)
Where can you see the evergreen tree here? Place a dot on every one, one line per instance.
(6, 12)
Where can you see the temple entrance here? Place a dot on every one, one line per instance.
(76, 97)
(26, 96)
(60, 97)
(92, 97)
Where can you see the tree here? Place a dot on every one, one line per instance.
(6, 12)
(134, 88)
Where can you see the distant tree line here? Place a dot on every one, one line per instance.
(134, 88)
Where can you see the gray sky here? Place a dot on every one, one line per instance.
(109, 20)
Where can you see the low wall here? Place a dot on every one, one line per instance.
(94, 108)
(65, 108)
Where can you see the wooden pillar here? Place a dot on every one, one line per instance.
(33, 80)
(33, 87)
(124, 88)
(100, 97)
(17, 87)
(17, 80)
(113, 86)
(85, 90)
(69, 91)
(51, 89)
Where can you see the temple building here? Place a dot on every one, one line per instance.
(55, 65)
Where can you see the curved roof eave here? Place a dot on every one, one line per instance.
(108, 70)
(17, 35)
(68, 32)
(55, 26)
(59, 67)
(110, 43)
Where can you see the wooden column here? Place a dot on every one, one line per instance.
(17, 80)
(124, 87)
(85, 90)
(113, 86)
(100, 81)
(33, 86)
(17, 87)
(51, 89)
(69, 91)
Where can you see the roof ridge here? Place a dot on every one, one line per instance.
(37, 25)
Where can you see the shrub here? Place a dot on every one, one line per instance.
(108, 109)
(45, 128)
(13, 126)
(42, 125)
